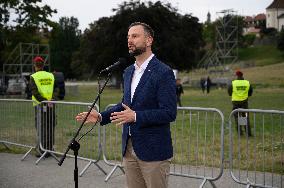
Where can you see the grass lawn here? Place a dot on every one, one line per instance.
(263, 98)
(206, 154)
(268, 84)
(261, 55)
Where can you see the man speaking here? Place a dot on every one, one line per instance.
(148, 106)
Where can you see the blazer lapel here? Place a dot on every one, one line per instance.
(143, 79)
(128, 80)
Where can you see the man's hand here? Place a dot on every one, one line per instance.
(92, 118)
(125, 116)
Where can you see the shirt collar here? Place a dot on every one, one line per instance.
(144, 64)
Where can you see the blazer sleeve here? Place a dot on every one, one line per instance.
(230, 90)
(250, 91)
(106, 114)
(117, 108)
(166, 100)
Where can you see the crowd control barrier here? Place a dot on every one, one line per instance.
(257, 156)
(198, 141)
(60, 126)
(111, 146)
(17, 125)
(48, 128)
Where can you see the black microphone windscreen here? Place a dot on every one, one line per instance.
(122, 60)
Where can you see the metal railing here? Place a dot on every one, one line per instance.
(17, 125)
(48, 129)
(257, 147)
(63, 116)
(111, 145)
(198, 142)
(196, 133)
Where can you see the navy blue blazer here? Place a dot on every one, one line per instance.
(154, 102)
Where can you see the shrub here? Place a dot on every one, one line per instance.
(280, 41)
(248, 39)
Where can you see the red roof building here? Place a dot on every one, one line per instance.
(276, 4)
(253, 24)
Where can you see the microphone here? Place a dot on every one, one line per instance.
(121, 61)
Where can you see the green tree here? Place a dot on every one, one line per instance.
(177, 41)
(209, 33)
(26, 13)
(64, 40)
(22, 21)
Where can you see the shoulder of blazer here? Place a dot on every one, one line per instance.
(157, 64)
(128, 69)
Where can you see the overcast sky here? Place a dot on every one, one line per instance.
(88, 11)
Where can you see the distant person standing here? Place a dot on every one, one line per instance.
(179, 91)
(28, 91)
(42, 88)
(208, 84)
(240, 90)
(202, 84)
(60, 85)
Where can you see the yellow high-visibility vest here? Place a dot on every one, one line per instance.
(240, 90)
(45, 83)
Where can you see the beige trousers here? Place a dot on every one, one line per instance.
(144, 174)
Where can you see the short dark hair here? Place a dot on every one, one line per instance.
(147, 28)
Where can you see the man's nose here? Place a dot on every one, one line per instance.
(129, 39)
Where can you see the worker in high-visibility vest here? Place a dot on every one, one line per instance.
(42, 88)
(240, 90)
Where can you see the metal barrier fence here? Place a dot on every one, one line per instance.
(198, 141)
(61, 116)
(53, 131)
(197, 134)
(257, 156)
(111, 146)
(17, 125)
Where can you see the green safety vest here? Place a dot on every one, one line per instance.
(240, 90)
(45, 83)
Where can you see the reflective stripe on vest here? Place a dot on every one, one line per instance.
(45, 83)
(240, 90)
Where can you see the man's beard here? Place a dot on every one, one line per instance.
(137, 51)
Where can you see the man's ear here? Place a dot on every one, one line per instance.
(149, 41)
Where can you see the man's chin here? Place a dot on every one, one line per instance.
(136, 53)
(133, 54)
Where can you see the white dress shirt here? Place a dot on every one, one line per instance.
(138, 72)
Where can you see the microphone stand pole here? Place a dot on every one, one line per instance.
(74, 145)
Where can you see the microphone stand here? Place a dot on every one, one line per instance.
(74, 145)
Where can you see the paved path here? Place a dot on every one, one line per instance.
(15, 173)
